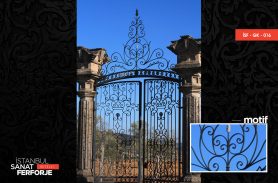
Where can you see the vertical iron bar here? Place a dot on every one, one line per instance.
(228, 148)
(136, 34)
(144, 130)
(179, 131)
(140, 176)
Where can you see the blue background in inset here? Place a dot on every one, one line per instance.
(203, 155)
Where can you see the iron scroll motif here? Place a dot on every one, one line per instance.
(137, 53)
(231, 147)
(116, 133)
(137, 132)
(161, 133)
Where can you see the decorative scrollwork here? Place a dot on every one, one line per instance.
(137, 53)
(116, 130)
(228, 147)
(138, 123)
(161, 109)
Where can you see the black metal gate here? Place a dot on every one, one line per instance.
(117, 131)
(137, 109)
(161, 131)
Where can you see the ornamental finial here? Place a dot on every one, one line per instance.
(137, 53)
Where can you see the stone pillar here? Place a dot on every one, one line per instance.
(89, 62)
(188, 67)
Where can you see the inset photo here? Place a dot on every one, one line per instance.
(228, 147)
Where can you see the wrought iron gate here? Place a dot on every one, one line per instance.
(117, 131)
(161, 131)
(138, 130)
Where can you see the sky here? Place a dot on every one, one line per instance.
(105, 23)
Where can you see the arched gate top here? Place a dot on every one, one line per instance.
(137, 58)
